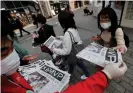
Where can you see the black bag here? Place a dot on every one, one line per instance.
(127, 41)
(76, 48)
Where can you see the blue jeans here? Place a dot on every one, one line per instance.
(80, 65)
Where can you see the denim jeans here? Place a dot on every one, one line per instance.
(80, 65)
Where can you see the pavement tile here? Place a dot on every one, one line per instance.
(106, 91)
(130, 71)
(126, 86)
(116, 91)
(120, 88)
(110, 89)
(129, 75)
(131, 67)
(131, 82)
(126, 79)
(127, 91)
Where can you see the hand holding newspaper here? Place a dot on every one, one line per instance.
(44, 76)
(100, 55)
(52, 42)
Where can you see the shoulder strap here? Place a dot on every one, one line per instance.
(71, 36)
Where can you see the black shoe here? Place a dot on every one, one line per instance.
(20, 36)
(28, 33)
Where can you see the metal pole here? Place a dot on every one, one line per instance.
(103, 4)
(40, 7)
(123, 4)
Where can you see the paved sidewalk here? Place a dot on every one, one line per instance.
(87, 27)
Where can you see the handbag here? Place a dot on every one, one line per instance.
(76, 48)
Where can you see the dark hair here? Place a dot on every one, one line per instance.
(66, 20)
(112, 16)
(7, 28)
(67, 7)
(41, 19)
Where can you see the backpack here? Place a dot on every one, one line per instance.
(127, 41)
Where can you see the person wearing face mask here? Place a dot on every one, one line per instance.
(111, 34)
(11, 81)
(45, 30)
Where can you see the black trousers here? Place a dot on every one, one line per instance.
(21, 29)
(81, 65)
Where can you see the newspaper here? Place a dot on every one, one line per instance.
(44, 77)
(52, 42)
(100, 55)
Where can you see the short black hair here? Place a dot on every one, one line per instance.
(112, 16)
(66, 20)
(41, 19)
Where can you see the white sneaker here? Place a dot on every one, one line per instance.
(83, 77)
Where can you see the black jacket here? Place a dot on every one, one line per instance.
(44, 33)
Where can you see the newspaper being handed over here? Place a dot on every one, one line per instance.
(52, 42)
(100, 55)
(44, 77)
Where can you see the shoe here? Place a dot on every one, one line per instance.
(20, 36)
(83, 77)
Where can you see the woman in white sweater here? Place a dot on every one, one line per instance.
(68, 24)
(111, 34)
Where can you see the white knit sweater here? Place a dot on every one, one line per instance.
(66, 42)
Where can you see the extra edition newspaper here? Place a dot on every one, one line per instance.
(100, 55)
(44, 76)
(52, 42)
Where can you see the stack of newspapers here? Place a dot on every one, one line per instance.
(45, 77)
(100, 55)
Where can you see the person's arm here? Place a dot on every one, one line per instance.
(60, 37)
(41, 36)
(67, 46)
(52, 31)
(98, 82)
(119, 35)
(93, 84)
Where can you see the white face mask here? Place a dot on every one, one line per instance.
(105, 25)
(10, 64)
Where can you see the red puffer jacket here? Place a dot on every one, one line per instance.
(15, 84)
(96, 83)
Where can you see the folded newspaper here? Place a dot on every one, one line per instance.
(44, 76)
(100, 55)
(52, 42)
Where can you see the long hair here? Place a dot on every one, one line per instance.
(113, 18)
(66, 20)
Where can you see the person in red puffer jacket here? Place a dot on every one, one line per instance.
(98, 82)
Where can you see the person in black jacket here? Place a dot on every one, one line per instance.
(35, 20)
(20, 26)
(45, 31)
